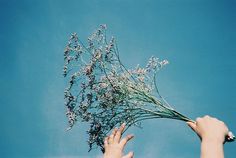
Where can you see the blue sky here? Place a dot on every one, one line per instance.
(198, 37)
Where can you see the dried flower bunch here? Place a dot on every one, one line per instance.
(104, 93)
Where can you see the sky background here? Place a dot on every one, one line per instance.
(198, 37)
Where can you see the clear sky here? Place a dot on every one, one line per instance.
(198, 37)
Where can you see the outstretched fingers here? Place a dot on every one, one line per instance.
(125, 140)
(106, 143)
(114, 145)
(129, 155)
(119, 133)
(111, 137)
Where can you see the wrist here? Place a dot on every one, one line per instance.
(212, 148)
(209, 140)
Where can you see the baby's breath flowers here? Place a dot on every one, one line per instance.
(104, 93)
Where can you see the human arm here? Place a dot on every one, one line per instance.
(212, 133)
(114, 145)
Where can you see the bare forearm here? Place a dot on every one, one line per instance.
(212, 133)
(211, 149)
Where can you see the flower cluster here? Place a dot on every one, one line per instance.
(104, 93)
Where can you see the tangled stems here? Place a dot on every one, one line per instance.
(104, 93)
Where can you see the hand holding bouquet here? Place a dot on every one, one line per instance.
(104, 93)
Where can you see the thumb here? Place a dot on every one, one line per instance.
(192, 125)
(129, 155)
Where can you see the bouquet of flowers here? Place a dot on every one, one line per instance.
(104, 93)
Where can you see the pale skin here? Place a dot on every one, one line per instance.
(114, 145)
(211, 131)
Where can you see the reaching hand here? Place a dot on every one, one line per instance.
(114, 145)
